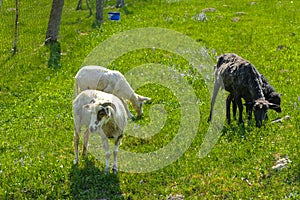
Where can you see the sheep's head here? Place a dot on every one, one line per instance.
(260, 111)
(138, 106)
(275, 100)
(100, 114)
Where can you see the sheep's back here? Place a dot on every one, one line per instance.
(239, 76)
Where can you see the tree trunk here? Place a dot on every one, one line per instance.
(79, 5)
(120, 3)
(16, 27)
(54, 22)
(99, 10)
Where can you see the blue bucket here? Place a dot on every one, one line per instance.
(115, 16)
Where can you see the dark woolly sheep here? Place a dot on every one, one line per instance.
(242, 80)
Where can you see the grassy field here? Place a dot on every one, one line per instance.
(37, 88)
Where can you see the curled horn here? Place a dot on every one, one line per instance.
(109, 104)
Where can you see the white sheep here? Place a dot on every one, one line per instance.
(110, 81)
(103, 113)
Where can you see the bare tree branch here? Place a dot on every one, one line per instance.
(16, 28)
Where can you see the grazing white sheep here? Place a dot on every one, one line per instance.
(103, 113)
(110, 81)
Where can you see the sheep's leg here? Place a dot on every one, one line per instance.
(107, 153)
(249, 111)
(86, 141)
(228, 102)
(213, 100)
(234, 108)
(130, 115)
(117, 144)
(115, 167)
(240, 106)
(76, 142)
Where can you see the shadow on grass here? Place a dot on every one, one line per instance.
(55, 55)
(96, 24)
(237, 130)
(89, 182)
(7, 56)
(126, 11)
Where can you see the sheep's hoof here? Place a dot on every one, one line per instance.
(106, 170)
(132, 118)
(75, 162)
(115, 170)
(138, 117)
(84, 154)
(258, 124)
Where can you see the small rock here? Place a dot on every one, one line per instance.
(235, 19)
(168, 19)
(240, 13)
(209, 10)
(280, 47)
(247, 181)
(200, 17)
(281, 163)
(175, 197)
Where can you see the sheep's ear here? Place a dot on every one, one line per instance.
(275, 94)
(141, 98)
(275, 107)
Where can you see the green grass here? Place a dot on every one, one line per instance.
(36, 122)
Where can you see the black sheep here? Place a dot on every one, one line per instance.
(242, 80)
